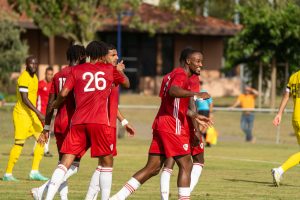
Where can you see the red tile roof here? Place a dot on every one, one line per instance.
(159, 18)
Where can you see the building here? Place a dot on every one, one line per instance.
(147, 57)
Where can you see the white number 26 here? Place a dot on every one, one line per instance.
(100, 82)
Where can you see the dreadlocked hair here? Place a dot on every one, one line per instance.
(96, 50)
(75, 53)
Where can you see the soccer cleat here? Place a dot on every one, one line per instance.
(35, 194)
(276, 177)
(9, 178)
(37, 176)
(48, 154)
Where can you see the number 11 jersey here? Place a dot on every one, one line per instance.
(91, 84)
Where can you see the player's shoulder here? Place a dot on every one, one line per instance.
(294, 75)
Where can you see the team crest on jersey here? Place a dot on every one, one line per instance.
(111, 147)
(201, 145)
(185, 147)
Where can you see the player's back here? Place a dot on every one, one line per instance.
(92, 85)
(66, 110)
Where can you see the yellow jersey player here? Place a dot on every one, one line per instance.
(27, 121)
(293, 89)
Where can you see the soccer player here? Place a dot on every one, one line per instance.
(114, 114)
(197, 148)
(75, 56)
(91, 84)
(42, 100)
(27, 121)
(293, 90)
(170, 137)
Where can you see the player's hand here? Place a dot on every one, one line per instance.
(130, 129)
(43, 138)
(277, 120)
(203, 121)
(120, 66)
(54, 105)
(202, 95)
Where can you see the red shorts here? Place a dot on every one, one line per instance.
(196, 149)
(114, 140)
(169, 144)
(81, 136)
(60, 138)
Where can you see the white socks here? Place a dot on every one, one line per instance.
(105, 182)
(195, 174)
(94, 187)
(56, 180)
(165, 183)
(131, 186)
(184, 193)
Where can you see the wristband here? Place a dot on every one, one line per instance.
(47, 127)
(124, 122)
(197, 98)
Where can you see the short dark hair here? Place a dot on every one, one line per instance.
(49, 68)
(75, 52)
(96, 49)
(111, 46)
(186, 53)
(30, 57)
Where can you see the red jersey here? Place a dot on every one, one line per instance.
(92, 85)
(194, 84)
(113, 103)
(66, 110)
(43, 96)
(172, 112)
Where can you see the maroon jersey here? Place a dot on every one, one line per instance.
(43, 95)
(113, 106)
(172, 112)
(92, 85)
(66, 110)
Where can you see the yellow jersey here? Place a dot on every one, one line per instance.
(293, 87)
(247, 101)
(29, 84)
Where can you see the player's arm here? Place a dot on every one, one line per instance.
(211, 106)
(61, 97)
(27, 102)
(284, 100)
(178, 92)
(253, 91)
(125, 123)
(49, 113)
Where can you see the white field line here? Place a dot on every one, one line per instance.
(242, 159)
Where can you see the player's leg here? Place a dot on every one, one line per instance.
(156, 158)
(102, 147)
(38, 153)
(151, 169)
(184, 176)
(165, 178)
(198, 164)
(244, 124)
(291, 161)
(21, 126)
(74, 144)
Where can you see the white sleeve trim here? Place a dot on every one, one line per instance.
(287, 90)
(23, 89)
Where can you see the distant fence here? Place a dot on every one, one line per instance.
(227, 109)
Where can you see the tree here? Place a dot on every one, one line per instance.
(12, 50)
(73, 19)
(271, 35)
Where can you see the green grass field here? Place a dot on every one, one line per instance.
(233, 169)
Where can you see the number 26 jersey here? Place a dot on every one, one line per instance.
(91, 84)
